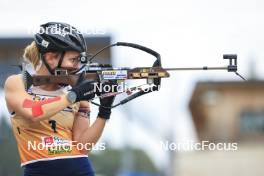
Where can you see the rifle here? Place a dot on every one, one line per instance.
(105, 72)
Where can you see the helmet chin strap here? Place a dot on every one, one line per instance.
(61, 59)
(52, 71)
(46, 64)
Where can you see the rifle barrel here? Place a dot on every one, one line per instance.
(195, 68)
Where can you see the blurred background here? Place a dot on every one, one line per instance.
(192, 106)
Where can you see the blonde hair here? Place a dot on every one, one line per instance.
(31, 54)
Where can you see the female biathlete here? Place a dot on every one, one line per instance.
(51, 120)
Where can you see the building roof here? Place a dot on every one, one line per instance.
(22, 41)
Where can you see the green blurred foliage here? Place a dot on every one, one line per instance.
(111, 162)
(9, 162)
